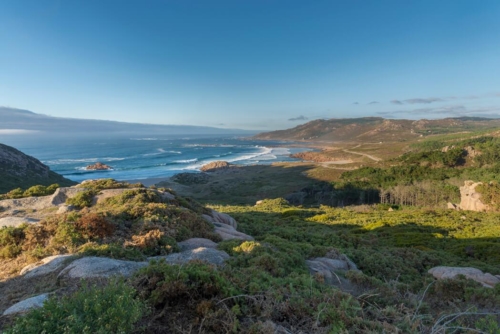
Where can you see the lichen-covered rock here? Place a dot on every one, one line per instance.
(208, 255)
(470, 199)
(486, 279)
(45, 266)
(219, 217)
(194, 243)
(63, 193)
(92, 267)
(331, 270)
(27, 304)
(16, 221)
(228, 232)
(63, 208)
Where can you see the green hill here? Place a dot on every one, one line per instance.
(18, 170)
(376, 129)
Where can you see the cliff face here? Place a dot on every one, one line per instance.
(20, 170)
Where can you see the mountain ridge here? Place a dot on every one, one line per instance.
(377, 129)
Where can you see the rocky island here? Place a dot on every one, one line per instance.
(98, 166)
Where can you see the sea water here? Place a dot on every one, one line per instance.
(142, 157)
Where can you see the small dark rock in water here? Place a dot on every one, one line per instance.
(98, 166)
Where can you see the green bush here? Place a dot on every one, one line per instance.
(38, 190)
(82, 199)
(11, 239)
(114, 251)
(91, 310)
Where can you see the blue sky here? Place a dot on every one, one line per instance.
(250, 64)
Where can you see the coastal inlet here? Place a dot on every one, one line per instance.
(144, 157)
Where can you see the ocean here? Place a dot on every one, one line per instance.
(142, 157)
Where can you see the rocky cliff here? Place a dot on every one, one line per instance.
(470, 199)
(20, 170)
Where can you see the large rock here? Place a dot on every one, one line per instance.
(98, 166)
(92, 267)
(328, 269)
(208, 255)
(228, 232)
(470, 199)
(16, 221)
(486, 279)
(63, 208)
(219, 217)
(45, 266)
(194, 243)
(63, 193)
(27, 304)
(216, 166)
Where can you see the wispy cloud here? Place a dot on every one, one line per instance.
(17, 131)
(374, 102)
(428, 100)
(300, 118)
(356, 103)
(445, 111)
(423, 101)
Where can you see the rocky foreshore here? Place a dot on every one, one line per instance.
(98, 166)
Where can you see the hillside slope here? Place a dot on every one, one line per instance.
(376, 129)
(20, 170)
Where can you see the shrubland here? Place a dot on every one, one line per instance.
(395, 234)
(266, 285)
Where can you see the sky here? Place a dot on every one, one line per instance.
(253, 64)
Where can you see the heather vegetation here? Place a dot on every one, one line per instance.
(135, 223)
(389, 221)
(38, 190)
(266, 284)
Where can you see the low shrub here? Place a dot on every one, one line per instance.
(93, 226)
(153, 243)
(38, 190)
(114, 251)
(82, 199)
(11, 239)
(92, 309)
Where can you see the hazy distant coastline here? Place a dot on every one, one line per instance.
(18, 121)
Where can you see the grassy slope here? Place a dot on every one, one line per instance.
(33, 174)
